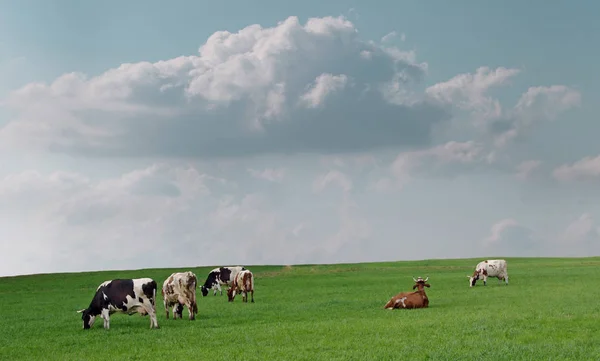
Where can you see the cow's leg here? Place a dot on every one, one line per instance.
(149, 308)
(106, 316)
(244, 296)
(166, 308)
(190, 307)
(153, 321)
(252, 296)
(220, 289)
(484, 280)
(179, 311)
(506, 279)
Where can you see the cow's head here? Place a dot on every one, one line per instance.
(204, 291)
(473, 278)
(421, 283)
(230, 295)
(88, 318)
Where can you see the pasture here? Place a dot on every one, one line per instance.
(549, 311)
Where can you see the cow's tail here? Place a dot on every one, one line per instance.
(153, 300)
(250, 283)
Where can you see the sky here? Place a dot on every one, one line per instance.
(139, 134)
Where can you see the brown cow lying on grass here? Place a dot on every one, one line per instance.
(417, 299)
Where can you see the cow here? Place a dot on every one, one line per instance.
(416, 299)
(219, 276)
(179, 290)
(124, 296)
(489, 268)
(242, 283)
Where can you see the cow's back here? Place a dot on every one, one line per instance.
(496, 267)
(182, 283)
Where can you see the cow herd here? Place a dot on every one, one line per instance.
(418, 299)
(138, 295)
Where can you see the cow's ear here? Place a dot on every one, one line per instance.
(415, 286)
(427, 285)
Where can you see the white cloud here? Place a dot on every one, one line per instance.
(585, 168)
(324, 85)
(389, 37)
(469, 91)
(238, 96)
(91, 224)
(435, 159)
(536, 105)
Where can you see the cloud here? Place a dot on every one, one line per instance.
(164, 215)
(469, 91)
(269, 174)
(448, 158)
(581, 237)
(525, 168)
(324, 85)
(389, 37)
(262, 147)
(507, 237)
(585, 168)
(95, 224)
(333, 177)
(536, 105)
(290, 88)
(579, 229)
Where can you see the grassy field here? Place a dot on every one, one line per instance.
(549, 311)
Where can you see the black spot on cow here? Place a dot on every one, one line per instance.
(149, 289)
(140, 299)
(117, 292)
(225, 274)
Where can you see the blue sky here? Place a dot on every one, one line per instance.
(141, 134)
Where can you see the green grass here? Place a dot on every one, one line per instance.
(550, 311)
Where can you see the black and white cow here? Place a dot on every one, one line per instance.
(122, 295)
(220, 276)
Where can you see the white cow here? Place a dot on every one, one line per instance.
(489, 268)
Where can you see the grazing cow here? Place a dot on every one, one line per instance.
(122, 295)
(219, 276)
(179, 290)
(416, 299)
(242, 283)
(489, 268)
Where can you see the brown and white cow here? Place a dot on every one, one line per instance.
(242, 283)
(489, 268)
(179, 290)
(122, 295)
(416, 299)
